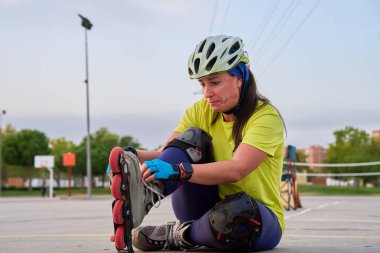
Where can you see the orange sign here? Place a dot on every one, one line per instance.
(68, 159)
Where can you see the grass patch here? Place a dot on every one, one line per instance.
(336, 190)
(59, 192)
(318, 190)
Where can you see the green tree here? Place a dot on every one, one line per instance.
(375, 156)
(5, 132)
(8, 130)
(21, 147)
(80, 167)
(59, 147)
(301, 157)
(351, 145)
(129, 141)
(102, 142)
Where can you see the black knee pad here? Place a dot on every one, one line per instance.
(235, 220)
(196, 143)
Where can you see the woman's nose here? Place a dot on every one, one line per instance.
(207, 92)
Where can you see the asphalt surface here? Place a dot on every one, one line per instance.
(324, 224)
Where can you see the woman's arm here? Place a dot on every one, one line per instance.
(246, 159)
(145, 155)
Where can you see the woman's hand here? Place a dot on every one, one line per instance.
(158, 169)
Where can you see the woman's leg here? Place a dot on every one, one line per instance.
(190, 201)
(201, 234)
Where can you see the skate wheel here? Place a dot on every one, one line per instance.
(119, 238)
(115, 187)
(112, 238)
(117, 212)
(114, 159)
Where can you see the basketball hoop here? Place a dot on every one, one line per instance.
(46, 162)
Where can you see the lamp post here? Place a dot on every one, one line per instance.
(87, 26)
(3, 112)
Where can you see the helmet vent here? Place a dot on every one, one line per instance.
(232, 59)
(210, 50)
(225, 50)
(211, 63)
(235, 47)
(202, 46)
(190, 72)
(223, 40)
(196, 65)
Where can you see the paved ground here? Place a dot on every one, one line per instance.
(324, 224)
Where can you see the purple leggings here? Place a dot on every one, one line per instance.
(194, 201)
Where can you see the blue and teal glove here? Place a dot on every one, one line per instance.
(168, 171)
(109, 172)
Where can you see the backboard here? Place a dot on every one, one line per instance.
(43, 161)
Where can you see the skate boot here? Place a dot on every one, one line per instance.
(171, 236)
(133, 196)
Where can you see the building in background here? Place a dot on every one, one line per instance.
(376, 134)
(316, 154)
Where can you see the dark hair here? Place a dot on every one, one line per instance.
(248, 105)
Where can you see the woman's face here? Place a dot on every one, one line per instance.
(221, 90)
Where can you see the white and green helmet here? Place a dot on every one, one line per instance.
(216, 54)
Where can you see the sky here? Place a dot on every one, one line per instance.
(318, 61)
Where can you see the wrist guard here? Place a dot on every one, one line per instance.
(185, 171)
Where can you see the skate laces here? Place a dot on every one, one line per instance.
(155, 191)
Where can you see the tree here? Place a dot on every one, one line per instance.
(375, 156)
(126, 141)
(9, 130)
(21, 147)
(80, 167)
(351, 145)
(5, 132)
(59, 147)
(102, 142)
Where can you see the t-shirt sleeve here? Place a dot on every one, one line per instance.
(189, 119)
(264, 130)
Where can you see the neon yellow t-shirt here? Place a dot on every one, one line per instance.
(265, 131)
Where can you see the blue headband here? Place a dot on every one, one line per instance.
(241, 70)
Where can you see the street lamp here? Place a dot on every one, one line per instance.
(87, 26)
(2, 112)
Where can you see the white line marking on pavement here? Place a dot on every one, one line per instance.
(310, 209)
(340, 246)
(297, 214)
(51, 235)
(334, 236)
(340, 220)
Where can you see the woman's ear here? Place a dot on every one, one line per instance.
(239, 82)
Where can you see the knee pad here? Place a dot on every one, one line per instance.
(235, 220)
(196, 143)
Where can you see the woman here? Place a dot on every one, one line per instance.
(223, 162)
